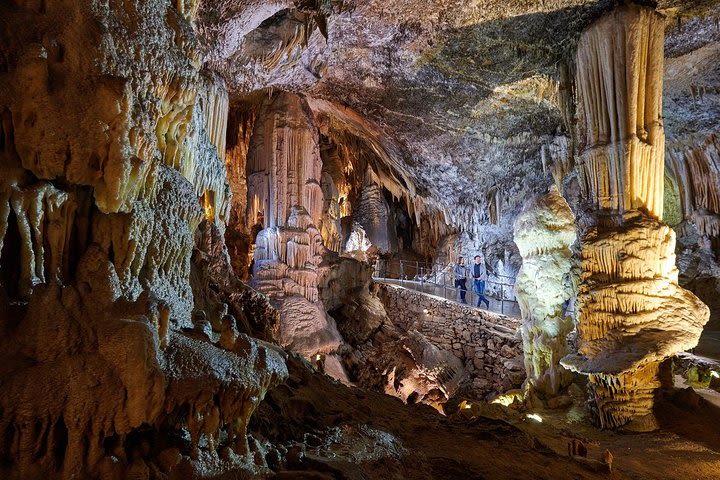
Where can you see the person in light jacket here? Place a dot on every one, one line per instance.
(461, 278)
(480, 276)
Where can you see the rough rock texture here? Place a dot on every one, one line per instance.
(285, 199)
(544, 233)
(101, 358)
(111, 153)
(487, 344)
(633, 314)
(368, 434)
(112, 156)
(381, 351)
(136, 137)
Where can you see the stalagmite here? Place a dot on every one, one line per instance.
(544, 232)
(331, 230)
(633, 314)
(285, 199)
(373, 214)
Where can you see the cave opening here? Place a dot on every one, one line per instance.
(10, 258)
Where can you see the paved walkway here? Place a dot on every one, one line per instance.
(507, 307)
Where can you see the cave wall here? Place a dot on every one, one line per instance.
(92, 168)
(111, 151)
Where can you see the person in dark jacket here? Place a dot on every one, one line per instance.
(461, 278)
(480, 276)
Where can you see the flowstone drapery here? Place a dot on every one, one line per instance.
(633, 314)
(544, 232)
(285, 198)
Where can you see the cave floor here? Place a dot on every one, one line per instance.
(687, 445)
(357, 434)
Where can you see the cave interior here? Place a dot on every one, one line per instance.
(344, 239)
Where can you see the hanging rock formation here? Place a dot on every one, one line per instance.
(372, 213)
(695, 169)
(633, 314)
(111, 146)
(544, 233)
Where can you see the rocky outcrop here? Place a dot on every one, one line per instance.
(544, 233)
(285, 198)
(111, 153)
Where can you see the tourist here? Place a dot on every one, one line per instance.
(480, 276)
(461, 278)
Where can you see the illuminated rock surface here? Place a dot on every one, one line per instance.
(193, 194)
(544, 233)
(633, 313)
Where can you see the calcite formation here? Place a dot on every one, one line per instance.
(285, 199)
(695, 173)
(113, 139)
(152, 152)
(544, 233)
(633, 314)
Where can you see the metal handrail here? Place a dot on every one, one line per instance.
(442, 275)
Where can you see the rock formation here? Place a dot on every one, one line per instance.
(695, 170)
(155, 154)
(544, 233)
(633, 314)
(111, 158)
(285, 198)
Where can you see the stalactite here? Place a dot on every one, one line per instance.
(373, 214)
(544, 231)
(559, 158)
(331, 229)
(619, 90)
(632, 313)
(45, 216)
(191, 137)
(284, 166)
(495, 205)
(696, 171)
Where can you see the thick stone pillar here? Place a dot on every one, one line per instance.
(544, 232)
(285, 198)
(632, 313)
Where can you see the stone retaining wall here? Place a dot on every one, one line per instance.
(488, 343)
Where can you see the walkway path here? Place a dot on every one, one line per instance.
(506, 307)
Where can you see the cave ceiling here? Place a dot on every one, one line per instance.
(464, 92)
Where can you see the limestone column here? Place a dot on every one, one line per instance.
(285, 198)
(544, 233)
(632, 313)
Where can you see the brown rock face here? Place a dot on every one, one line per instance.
(111, 155)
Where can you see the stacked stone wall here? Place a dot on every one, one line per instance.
(488, 343)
